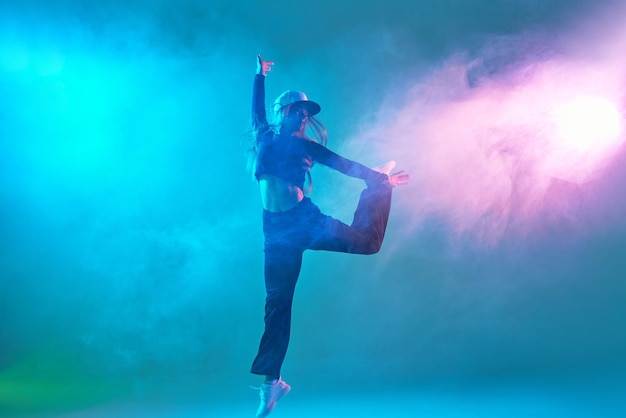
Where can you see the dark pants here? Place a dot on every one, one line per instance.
(287, 235)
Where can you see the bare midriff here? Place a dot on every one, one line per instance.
(278, 195)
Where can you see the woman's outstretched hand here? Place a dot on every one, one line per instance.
(398, 179)
(263, 67)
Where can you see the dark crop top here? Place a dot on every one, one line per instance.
(291, 157)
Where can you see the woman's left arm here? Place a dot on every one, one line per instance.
(348, 167)
(351, 168)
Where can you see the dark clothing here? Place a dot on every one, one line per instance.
(288, 234)
(259, 116)
(290, 157)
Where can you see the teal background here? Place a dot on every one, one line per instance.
(130, 233)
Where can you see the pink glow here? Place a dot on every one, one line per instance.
(484, 158)
(588, 124)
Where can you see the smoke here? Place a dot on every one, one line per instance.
(483, 134)
(131, 239)
(125, 231)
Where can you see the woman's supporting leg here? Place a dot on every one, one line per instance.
(282, 267)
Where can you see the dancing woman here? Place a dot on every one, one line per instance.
(281, 159)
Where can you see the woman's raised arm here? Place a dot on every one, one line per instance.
(259, 115)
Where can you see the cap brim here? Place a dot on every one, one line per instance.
(311, 107)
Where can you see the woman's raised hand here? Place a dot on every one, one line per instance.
(263, 67)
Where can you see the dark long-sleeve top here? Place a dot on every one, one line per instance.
(291, 157)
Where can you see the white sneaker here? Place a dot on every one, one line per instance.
(270, 394)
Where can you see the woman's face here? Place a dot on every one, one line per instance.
(295, 120)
